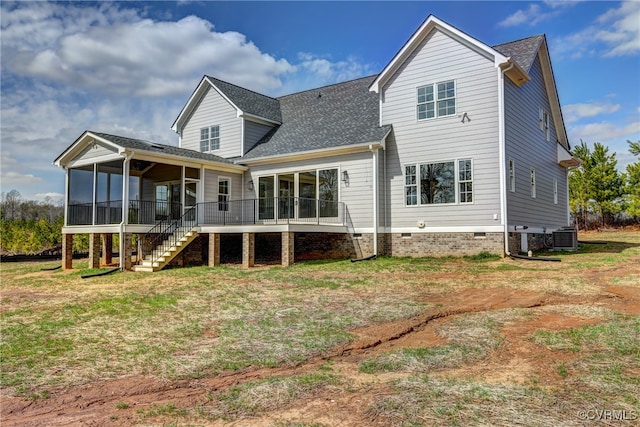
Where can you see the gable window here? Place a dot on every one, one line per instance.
(224, 187)
(533, 183)
(437, 99)
(512, 175)
(439, 183)
(555, 191)
(544, 122)
(210, 138)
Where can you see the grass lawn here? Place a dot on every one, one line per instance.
(578, 341)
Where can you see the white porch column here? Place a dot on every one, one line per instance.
(95, 194)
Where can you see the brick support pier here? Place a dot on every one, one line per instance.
(288, 248)
(128, 251)
(94, 250)
(248, 249)
(107, 249)
(67, 251)
(214, 249)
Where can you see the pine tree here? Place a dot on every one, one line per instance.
(606, 186)
(579, 194)
(633, 182)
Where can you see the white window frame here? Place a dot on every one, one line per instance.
(409, 185)
(223, 199)
(435, 100)
(555, 191)
(457, 182)
(533, 183)
(210, 142)
(464, 181)
(544, 122)
(512, 175)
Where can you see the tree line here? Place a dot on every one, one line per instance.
(600, 195)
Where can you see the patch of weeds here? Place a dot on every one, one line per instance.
(270, 394)
(122, 405)
(483, 256)
(562, 370)
(293, 423)
(609, 356)
(162, 410)
(417, 401)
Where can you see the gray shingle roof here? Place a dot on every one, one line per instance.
(250, 102)
(331, 116)
(142, 145)
(522, 51)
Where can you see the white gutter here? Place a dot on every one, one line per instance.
(374, 150)
(502, 157)
(125, 201)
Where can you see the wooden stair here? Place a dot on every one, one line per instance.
(167, 250)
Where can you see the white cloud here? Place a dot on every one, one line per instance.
(55, 197)
(614, 33)
(575, 112)
(605, 132)
(71, 67)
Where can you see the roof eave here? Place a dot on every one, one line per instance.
(310, 154)
(79, 144)
(515, 72)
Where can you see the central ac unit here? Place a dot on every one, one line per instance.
(565, 239)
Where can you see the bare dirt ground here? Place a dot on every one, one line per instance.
(516, 361)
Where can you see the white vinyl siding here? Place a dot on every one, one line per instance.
(212, 180)
(214, 110)
(440, 58)
(526, 145)
(253, 132)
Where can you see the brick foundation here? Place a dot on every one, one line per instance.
(248, 249)
(442, 244)
(107, 249)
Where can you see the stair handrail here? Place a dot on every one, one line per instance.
(166, 230)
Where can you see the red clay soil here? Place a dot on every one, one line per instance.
(94, 404)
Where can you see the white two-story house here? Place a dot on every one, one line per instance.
(455, 147)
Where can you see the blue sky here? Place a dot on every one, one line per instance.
(128, 67)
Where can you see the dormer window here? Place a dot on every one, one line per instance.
(436, 100)
(210, 138)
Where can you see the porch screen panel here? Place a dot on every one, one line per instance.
(80, 197)
(266, 197)
(328, 193)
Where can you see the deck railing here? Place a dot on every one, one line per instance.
(273, 210)
(110, 212)
(276, 210)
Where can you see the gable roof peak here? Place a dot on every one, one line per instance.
(523, 51)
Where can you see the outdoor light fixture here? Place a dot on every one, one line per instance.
(250, 185)
(345, 177)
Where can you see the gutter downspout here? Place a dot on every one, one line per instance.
(125, 202)
(375, 198)
(502, 155)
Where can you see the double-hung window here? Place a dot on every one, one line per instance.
(436, 100)
(209, 138)
(438, 183)
(224, 185)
